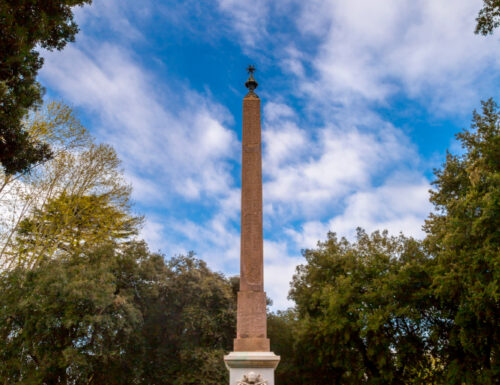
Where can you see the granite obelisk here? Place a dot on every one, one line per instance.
(251, 357)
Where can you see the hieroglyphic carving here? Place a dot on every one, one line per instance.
(252, 379)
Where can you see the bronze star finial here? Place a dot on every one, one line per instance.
(251, 83)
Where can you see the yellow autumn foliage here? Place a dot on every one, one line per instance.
(77, 198)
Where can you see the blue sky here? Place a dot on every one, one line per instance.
(360, 101)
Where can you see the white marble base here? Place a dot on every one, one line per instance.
(241, 364)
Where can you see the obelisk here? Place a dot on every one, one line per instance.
(251, 358)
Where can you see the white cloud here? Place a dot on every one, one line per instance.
(216, 241)
(112, 15)
(249, 18)
(153, 233)
(396, 206)
(145, 190)
(274, 111)
(400, 205)
(372, 50)
(283, 145)
(279, 268)
(308, 173)
(178, 143)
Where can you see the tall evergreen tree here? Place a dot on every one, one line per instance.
(464, 238)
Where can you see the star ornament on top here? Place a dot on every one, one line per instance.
(251, 83)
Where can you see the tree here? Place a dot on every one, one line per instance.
(24, 25)
(464, 236)
(363, 311)
(281, 330)
(392, 310)
(72, 320)
(57, 194)
(115, 316)
(77, 197)
(191, 328)
(489, 17)
(55, 124)
(67, 224)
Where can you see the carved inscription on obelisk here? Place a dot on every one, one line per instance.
(251, 317)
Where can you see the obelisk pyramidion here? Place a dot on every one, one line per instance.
(251, 362)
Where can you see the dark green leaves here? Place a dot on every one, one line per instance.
(24, 24)
(115, 316)
(362, 310)
(393, 310)
(464, 237)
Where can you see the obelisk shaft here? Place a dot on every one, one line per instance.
(252, 273)
(251, 357)
(251, 316)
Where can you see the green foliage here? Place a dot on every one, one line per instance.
(464, 236)
(25, 24)
(281, 330)
(362, 310)
(393, 310)
(192, 327)
(115, 317)
(57, 125)
(489, 17)
(76, 199)
(70, 223)
(72, 321)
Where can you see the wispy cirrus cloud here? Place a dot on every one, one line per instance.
(249, 18)
(177, 150)
(171, 138)
(374, 50)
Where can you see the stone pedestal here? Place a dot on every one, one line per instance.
(251, 368)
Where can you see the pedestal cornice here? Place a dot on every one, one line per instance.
(255, 360)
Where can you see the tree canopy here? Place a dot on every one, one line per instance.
(394, 310)
(362, 311)
(464, 237)
(67, 224)
(25, 25)
(79, 197)
(489, 17)
(115, 317)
